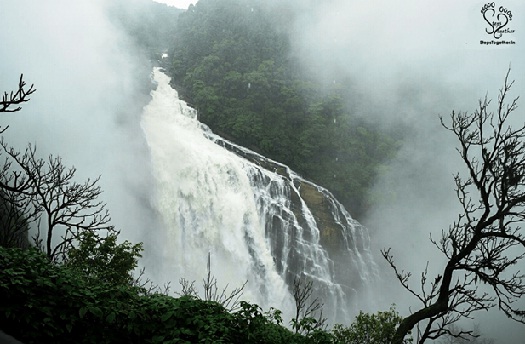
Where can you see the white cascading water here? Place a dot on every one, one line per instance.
(213, 198)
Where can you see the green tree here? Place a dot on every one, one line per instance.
(14, 220)
(103, 258)
(45, 302)
(367, 328)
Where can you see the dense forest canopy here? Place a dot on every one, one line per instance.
(232, 60)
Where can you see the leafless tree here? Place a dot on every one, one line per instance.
(228, 299)
(478, 338)
(48, 189)
(485, 243)
(15, 98)
(308, 310)
(15, 212)
(44, 192)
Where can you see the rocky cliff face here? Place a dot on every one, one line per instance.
(258, 220)
(310, 214)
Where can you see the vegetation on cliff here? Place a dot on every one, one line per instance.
(232, 60)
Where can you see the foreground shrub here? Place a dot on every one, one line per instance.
(369, 328)
(44, 302)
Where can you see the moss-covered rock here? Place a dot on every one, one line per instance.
(331, 235)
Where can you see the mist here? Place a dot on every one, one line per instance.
(90, 92)
(411, 62)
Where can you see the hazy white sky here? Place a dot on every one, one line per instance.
(178, 3)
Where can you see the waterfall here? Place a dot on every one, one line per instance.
(261, 222)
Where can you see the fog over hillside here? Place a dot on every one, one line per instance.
(408, 61)
(90, 92)
(413, 61)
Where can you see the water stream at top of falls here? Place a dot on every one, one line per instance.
(213, 198)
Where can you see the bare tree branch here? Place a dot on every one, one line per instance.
(16, 98)
(306, 309)
(480, 244)
(46, 190)
(229, 300)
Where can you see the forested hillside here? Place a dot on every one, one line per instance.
(232, 60)
(150, 25)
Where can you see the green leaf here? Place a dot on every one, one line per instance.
(111, 317)
(96, 311)
(158, 339)
(166, 316)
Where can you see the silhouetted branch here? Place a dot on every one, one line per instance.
(306, 309)
(477, 245)
(229, 300)
(16, 98)
(47, 188)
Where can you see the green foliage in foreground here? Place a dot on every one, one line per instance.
(104, 259)
(369, 328)
(43, 302)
